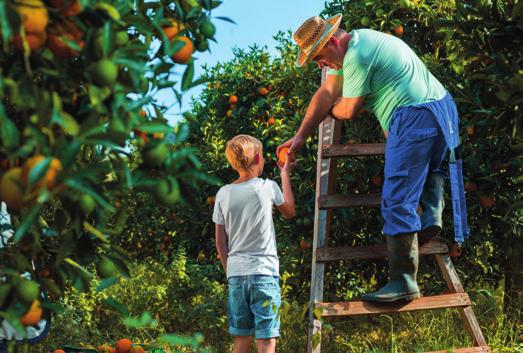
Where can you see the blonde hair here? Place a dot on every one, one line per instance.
(241, 151)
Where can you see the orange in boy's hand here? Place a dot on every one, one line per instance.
(282, 156)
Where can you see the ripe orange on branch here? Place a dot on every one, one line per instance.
(35, 41)
(398, 30)
(34, 15)
(33, 316)
(263, 91)
(233, 99)
(172, 29)
(271, 121)
(49, 178)
(282, 156)
(123, 346)
(184, 54)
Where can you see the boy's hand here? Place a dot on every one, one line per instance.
(288, 167)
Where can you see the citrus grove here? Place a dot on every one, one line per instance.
(80, 127)
(101, 209)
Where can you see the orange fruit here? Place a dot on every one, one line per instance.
(123, 346)
(304, 244)
(470, 130)
(11, 189)
(158, 135)
(58, 351)
(471, 186)
(143, 113)
(282, 156)
(59, 48)
(184, 54)
(211, 200)
(104, 348)
(172, 29)
(137, 349)
(35, 41)
(229, 113)
(67, 8)
(141, 134)
(398, 30)
(49, 179)
(34, 15)
(271, 121)
(263, 91)
(233, 99)
(487, 201)
(31, 317)
(377, 180)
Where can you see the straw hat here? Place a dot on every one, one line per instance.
(312, 36)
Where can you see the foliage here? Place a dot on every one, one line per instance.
(74, 81)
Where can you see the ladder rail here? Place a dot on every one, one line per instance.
(329, 133)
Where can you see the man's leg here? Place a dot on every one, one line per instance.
(242, 344)
(266, 345)
(432, 204)
(410, 146)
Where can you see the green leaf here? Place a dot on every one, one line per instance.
(187, 77)
(27, 222)
(144, 321)
(116, 305)
(38, 171)
(317, 312)
(227, 19)
(92, 230)
(8, 130)
(83, 187)
(107, 282)
(67, 122)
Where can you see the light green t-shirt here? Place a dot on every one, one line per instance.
(387, 72)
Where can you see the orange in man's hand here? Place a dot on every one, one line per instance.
(282, 156)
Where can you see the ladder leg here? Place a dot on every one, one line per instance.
(466, 313)
(329, 133)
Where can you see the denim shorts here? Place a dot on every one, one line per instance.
(253, 305)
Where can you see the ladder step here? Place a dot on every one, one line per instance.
(368, 308)
(482, 349)
(353, 200)
(326, 254)
(339, 150)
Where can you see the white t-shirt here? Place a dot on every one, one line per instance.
(246, 211)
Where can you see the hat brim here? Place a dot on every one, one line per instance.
(333, 24)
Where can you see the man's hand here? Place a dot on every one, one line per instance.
(294, 145)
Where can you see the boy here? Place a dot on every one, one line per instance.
(246, 244)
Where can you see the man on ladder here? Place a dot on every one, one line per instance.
(379, 72)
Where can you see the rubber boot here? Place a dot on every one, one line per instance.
(432, 203)
(403, 261)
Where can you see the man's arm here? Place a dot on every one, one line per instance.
(320, 105)
(221, 245)
(317, 110)
(347, 108)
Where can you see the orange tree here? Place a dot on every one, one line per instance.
(267, 97)
(75, 77)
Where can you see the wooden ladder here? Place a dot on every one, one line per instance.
(328, 151)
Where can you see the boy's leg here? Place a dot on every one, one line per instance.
(242, 344)
(266, 345)
(241, 321)
(265, 304)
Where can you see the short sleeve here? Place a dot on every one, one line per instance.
(277, 197)
(356, 79)
(217, 215)
(335, 72)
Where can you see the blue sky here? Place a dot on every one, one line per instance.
(257, 21)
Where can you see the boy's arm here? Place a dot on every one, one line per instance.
(287, 208)
(221, 244)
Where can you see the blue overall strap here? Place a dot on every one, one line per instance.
(459, 206)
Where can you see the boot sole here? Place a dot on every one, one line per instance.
(402, 298)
